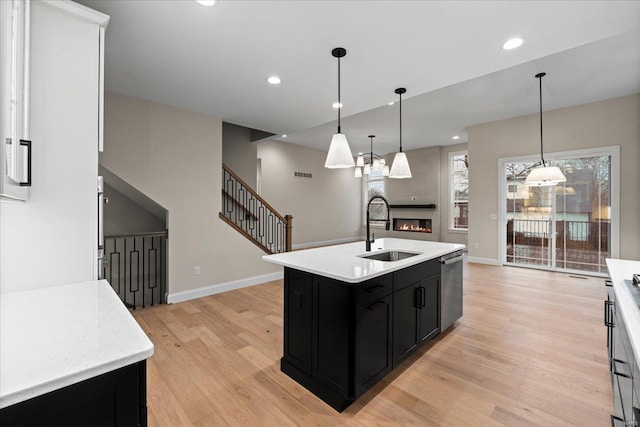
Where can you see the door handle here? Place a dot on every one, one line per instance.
(25, 143)
(424, 296)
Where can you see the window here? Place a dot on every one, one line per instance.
(375, 186)
(459, 190)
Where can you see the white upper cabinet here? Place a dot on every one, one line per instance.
(15, 152)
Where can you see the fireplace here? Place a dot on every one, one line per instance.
(415, 225)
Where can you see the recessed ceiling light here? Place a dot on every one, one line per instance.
(390, 103)
(512, 43)
(284, 136)
(360, 154)
(456, 137)
(206, 2)
(337, 105)
(274, 80)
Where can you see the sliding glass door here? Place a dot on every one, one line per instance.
(566, 227)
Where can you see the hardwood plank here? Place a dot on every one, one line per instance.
(530, 350)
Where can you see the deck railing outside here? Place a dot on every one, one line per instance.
(580, 245)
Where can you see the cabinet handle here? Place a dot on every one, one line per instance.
(607, 314)
(615, 370)
(375, 305)
(614, 419)
(25, 143)
(374, 288)
(608, 283)
(424, 296)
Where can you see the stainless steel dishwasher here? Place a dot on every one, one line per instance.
(451, 289)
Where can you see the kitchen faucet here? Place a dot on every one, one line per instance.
(386, 227)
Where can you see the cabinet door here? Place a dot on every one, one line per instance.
(331, 334)
(373, 343)
(429, 313)
(405, 323)
(298, 314)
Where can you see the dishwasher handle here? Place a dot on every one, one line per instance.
(452, 260)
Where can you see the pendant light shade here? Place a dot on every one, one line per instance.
(339, 155)
(385, 170)
(400, 167)
(360, 161)
(358, 173)
(544, 175)
(367, 169)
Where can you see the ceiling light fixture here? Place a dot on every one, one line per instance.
(336, 105)
(339, 155)
(400, 166)
(284, 136)
(371, 161)
(455, 137)
(390, 103)
(206, 2)
(358, 173)
(544, 175)
(512, 43)
(274, 80)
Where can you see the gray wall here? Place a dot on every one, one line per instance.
(239, 153)
(123, 216)
(325, 208)
(184, 178)
(599, 124)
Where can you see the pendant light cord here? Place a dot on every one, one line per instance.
(371, 152)
(401, 122)
(544, 165)
(339, 103)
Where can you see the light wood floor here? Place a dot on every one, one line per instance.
(529, 350)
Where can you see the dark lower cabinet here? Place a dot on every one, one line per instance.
(373, 350)
(340, 339)
(416, 317)
(117, 398)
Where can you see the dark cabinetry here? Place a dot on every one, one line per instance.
(117, 398)
(340, 339)
(625, 379)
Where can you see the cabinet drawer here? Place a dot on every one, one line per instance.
(411, 275)
(373, 289)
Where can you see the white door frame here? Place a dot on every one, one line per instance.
(613, 151)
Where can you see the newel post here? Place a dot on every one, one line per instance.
(288, 231)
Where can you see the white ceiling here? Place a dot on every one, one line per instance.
(448, 55)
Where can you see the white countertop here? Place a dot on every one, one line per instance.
(341, 262)
(619, 270)
(54, 337)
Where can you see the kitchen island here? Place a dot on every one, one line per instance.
(71, 355)
(351, 316)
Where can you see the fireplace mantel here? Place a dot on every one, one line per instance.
(431, 206)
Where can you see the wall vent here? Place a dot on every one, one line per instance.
(302, 175)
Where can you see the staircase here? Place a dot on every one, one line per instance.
(247, 212)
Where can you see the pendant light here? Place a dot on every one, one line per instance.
(369, 166)
(360, 160)
(358, 172)
(339, 155)
(544, 175)
(400, 166)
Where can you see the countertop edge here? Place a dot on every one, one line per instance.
(59, 383)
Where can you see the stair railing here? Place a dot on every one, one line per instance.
(251, 215)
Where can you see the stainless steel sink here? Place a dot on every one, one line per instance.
(389, 256)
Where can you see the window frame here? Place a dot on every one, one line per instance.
(365, 198)
(452, 200)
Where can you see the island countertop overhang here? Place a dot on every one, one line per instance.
(344, 262)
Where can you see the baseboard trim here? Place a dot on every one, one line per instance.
(479, 260)
(324, 243)
(222, 287)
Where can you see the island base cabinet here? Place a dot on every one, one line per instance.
(340, 339)
(117, 398)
